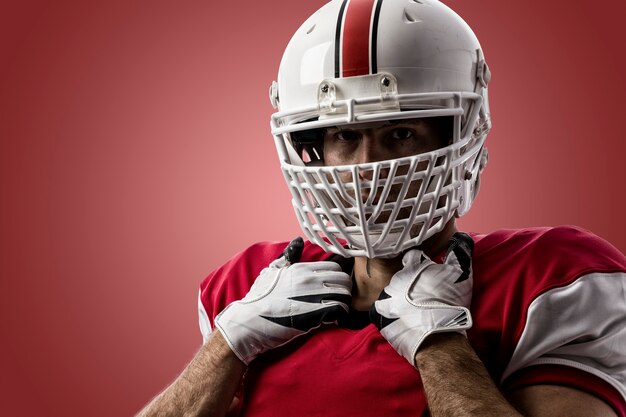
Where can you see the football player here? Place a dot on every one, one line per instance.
(386, 308)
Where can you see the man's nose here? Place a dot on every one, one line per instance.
(370, 150)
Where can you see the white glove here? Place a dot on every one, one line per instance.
(287, 300)
(425, 297)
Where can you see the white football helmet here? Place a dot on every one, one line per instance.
(358, 61)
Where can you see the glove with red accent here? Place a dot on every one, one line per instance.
(287, 300)
(425, 297)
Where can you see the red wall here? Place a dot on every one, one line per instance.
(135, 157)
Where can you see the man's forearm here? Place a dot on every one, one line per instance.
(206, 386)
(456, 381)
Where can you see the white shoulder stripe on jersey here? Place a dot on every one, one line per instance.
(203, 318)
(582, 325)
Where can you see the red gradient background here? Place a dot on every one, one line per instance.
(135, 157)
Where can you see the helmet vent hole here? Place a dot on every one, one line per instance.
(310, 29)
(410, 16)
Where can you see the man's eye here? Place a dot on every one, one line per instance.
(347, 135)
(402, 133)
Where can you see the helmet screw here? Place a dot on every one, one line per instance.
(324, 88)
(468, 175)
(385, 81)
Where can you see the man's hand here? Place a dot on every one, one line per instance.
(425, 297)
(287, 300)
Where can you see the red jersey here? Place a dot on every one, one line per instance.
(548, 306)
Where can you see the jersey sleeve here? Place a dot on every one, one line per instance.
(576, 336)
(203, 320)
(574, 330)
(231, 281)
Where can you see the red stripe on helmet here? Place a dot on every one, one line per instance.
(355, 40)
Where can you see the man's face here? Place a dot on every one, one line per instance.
(380, 141)
(365, 143)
